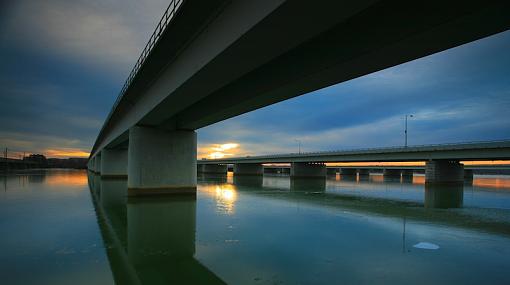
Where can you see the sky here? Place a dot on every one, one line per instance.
(62, 64)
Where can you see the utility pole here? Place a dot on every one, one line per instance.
(405, 132)
(6, 163)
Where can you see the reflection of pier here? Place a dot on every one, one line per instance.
(434, 197)
(437, 195)
(149, 240)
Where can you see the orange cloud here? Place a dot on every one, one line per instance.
(212, 151)
(66, 153)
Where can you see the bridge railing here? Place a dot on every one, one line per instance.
(155, 36)
(167, 17)
(462, 145)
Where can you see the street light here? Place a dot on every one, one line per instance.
(405, 132)
(299, 145)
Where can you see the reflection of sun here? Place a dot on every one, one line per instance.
(226, 197)
(67, 178)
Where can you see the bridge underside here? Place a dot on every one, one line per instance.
(218, 59)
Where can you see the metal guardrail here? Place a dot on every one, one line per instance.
(167, 17)
(462, 145)
(160, 28)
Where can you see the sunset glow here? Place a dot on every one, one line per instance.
(67, 179)
(66, 153)
(215, 151)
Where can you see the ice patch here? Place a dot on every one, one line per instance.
(426, 245)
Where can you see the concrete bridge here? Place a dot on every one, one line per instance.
(212, 60)
(442, 161)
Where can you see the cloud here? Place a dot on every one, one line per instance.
(52, 146)
(103, 34)
(63, 63)
(471, 119)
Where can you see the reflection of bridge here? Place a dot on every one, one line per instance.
(213, 60)
(148, 241)
(305, 191)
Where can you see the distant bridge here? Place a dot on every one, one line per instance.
(208, 61)
(493, 150)
(442, 161)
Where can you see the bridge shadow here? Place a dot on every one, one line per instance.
(148, 240)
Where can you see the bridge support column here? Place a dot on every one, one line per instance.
(97, 163)
(444, 184)
(407, 175)
(444, 172)
(248, 169)
(114, 163)
(331, 171)
(212, 168)
(348, 171)
(393, 173)
(305, 169)
(161, 162)
(468, 175)
(90, 164)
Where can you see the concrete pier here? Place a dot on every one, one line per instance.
(444, 172)
(248, 169)
(276, 170)
(114, 163)
(212, 168)
(161, 162)
(348, 171)
(91, 164)
(310, 170)
(393, 173)
(468, 175)
(97, 163)
(407, 173)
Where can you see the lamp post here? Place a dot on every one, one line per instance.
(405, 131)
(299, 145)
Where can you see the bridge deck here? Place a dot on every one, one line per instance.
(496, 150)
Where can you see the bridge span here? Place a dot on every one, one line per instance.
(208, 61)
(442, 162)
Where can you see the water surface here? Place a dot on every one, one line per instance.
(67, 227)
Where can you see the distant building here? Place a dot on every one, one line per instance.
(39, 159)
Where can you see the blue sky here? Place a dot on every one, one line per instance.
(63, 63)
